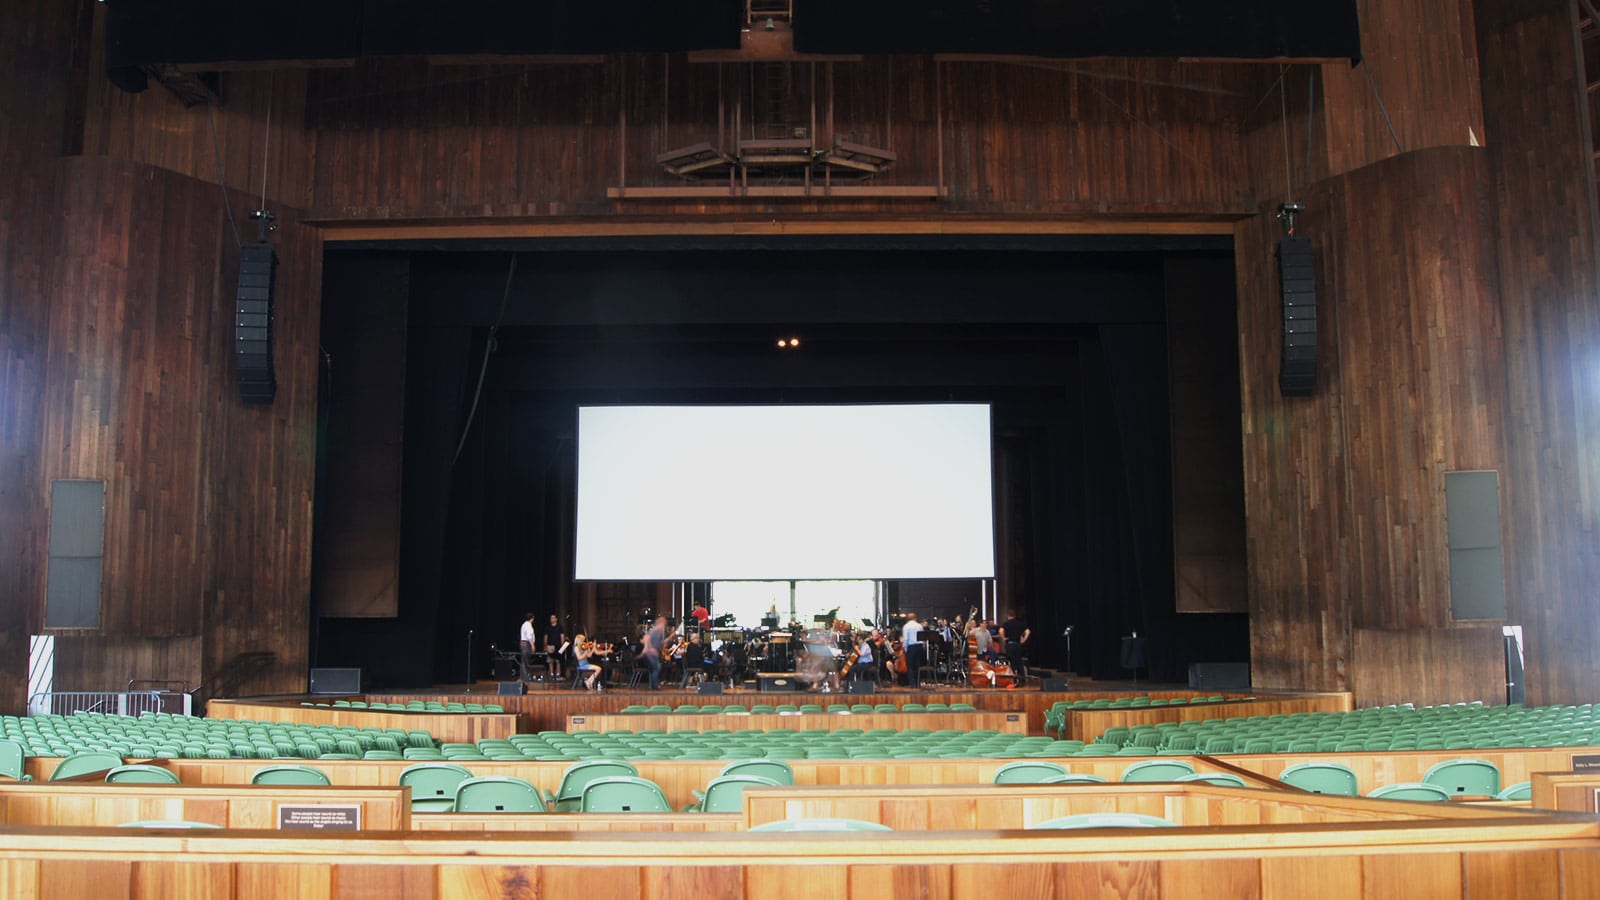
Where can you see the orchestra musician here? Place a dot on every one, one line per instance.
(883, 652)
(584, 651)
(915, 648)
(866, 662)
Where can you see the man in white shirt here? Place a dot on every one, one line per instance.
(526, 640)
(916, 650)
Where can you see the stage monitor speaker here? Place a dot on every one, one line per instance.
(511, 687)
(335, 681)
(1297, 371)
(710, 687)
(505, 669)
(861, 687)
(252, 326)
(1219, 676)
(781, 681)
(1055, 684)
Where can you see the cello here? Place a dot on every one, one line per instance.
(983, 674)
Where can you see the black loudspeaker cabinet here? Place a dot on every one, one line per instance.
(710, 687)
(1219, 676)
(252, 327)
(861, 687)
(505, 669)
(1297, 371)
(511, 687)
(335, 681)
(781, 681)
(1055, 684)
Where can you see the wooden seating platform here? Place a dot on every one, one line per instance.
(1004, 722)
(238, 805)
(465, 727)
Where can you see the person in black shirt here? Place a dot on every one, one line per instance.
(554, 637)
(1014, 636)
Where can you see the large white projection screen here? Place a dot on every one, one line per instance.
(700, 493)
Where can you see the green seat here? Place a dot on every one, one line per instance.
(141, 774)
(776, 769)
(623, 793)
(1072, 778)
(1028, 772)
(725, 793)
(1106, 820)
(569, 795)
(1157, 770)
(821, 825)
(1522, 790)
(12, 761)
(1412, 790)
(1226, 779)
(289, 774)
(1477, 777)
(1330, 778)
(84, 763)
(433, 785)
(497, 794)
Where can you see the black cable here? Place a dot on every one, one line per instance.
(488, 351)
(216, 150)
(1311, 117)
(1379, 97)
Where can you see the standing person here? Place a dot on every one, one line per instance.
(916, 650)
(655, 641)
(554, 639)
(702, 616)
(983, 640)
(1014, 636)
(525, 643)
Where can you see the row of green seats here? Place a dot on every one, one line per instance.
(172, 737)
(723, 744)
(430, 706)
(1055, 717)
(1380, 729)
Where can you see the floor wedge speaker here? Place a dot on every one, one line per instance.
(335, 681)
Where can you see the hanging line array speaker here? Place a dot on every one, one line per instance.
(253, 324)
(1297, 373)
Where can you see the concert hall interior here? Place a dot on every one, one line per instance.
(407, 408)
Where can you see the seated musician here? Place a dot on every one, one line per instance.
(865, 666)
(883, 652)
(692, 658)
(583, 653)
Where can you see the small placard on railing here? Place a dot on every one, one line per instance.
(319, 817)
(1586, 762)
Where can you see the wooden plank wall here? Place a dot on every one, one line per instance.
(1555, 861)
(1006, 723)
(1345, 501)
(208, 501)
(1542, 173)
(37, 43)
(452, 727)
(962, 807)
(235, 806)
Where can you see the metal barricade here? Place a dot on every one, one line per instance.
(112, 703)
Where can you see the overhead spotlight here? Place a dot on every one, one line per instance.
(782, 343)
(794, 342)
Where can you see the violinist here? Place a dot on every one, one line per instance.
(865, 663)
(583, 650)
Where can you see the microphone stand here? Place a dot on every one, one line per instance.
(469, 659)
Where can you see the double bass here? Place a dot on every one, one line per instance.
(982, 674)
